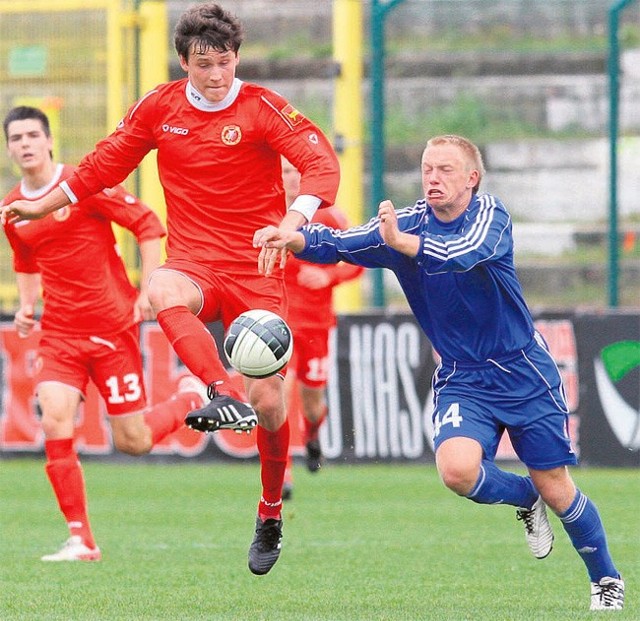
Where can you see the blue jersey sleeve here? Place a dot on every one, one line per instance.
(360, 245)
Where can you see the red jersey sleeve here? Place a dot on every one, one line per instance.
(125, 209)
(343, 272)
(117, 155)
(340, 272)
(24, 260)
(293, 135)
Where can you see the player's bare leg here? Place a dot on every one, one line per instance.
(176, 300)
(138, 432)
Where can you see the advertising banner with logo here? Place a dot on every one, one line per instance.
(379, 393)
(609, 365)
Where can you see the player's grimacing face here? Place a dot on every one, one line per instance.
(447, 176)
(211, 72)
(27, 144)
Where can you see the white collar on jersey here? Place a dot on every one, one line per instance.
(198, 101)
(37, 193)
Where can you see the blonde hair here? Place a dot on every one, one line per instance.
(470, 150)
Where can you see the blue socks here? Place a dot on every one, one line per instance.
(581, 520)
(584, 527)
(495, 486)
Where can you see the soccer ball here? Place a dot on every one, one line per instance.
(258, 343)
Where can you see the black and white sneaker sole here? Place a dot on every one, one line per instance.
(206, 425)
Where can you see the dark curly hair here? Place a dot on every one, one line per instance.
(207, 26)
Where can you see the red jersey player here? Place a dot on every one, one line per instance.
(219, 142)
(311, 318)
(89, 320)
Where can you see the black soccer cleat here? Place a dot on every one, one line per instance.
(266, 545)
(287, 491)
(314, 456)
(222, 412)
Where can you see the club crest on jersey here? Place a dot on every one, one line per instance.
(62, 214)
(293, 116)
(231, 135)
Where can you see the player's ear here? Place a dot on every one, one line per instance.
(474, 177)
(184, 63)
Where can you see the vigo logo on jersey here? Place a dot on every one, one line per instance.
(231, 135)
(62, 214)
(170, 129)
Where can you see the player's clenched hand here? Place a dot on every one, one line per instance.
(21, 210)
(406, 243)
(142, 310)
(388, 222)
(24, 321)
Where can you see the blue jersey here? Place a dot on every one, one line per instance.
(461, 286)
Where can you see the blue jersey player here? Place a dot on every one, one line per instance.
(452, 253)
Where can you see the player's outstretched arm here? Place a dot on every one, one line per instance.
(150, 255)
(29, 286)
(33, 210)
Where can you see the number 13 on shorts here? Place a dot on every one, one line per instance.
(451, 417)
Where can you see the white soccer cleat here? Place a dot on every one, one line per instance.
(537, 528)
(191, 384)
(608, 594)
(74, 549)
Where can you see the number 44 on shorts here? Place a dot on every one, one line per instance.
(450, 417)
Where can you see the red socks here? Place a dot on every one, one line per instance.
(195, 346)
(166, 417)
(67, 480)
(311, 430)
(273, 447)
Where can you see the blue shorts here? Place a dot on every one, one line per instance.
(521, 394)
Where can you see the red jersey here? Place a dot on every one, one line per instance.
(85, 288)
(219, 166)
(313, 308)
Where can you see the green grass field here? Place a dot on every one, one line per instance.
(368, 543)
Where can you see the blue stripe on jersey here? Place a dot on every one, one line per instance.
(481, 241)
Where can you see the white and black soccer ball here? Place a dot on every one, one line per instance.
(258, 343)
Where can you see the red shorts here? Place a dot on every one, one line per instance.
(225, 295)
(310, 359)
(113, 362)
